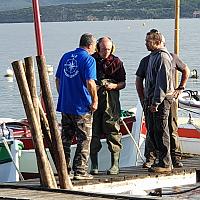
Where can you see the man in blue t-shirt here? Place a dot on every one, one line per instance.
(75, 82)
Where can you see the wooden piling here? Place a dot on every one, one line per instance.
(43, 163)
(31, 80)
(46, 131)
(64, 180)
(42, 120)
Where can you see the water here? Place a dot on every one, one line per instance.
(18, 41)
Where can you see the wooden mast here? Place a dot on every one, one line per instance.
(176, 32)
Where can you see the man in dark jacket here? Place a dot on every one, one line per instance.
(111, 78)
(158, 99)
(150, 151)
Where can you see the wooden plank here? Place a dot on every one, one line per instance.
(132, 176)
(33, 194)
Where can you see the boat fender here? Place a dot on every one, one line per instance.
(194, 74)
(5, 132)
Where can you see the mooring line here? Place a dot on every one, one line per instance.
(189, 110)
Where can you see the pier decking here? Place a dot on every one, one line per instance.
(131, 181)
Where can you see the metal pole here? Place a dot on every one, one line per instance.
(38, 29)
(38, 34)
(176, 32)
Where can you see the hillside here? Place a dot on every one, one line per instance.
(20, 4)
(111, 10)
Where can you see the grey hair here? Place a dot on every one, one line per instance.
(86, 40)
(163, 39)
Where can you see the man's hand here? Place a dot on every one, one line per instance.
(94, 106)
(110, 86)
(92, 88)
(115, 86)
(177, 92)
(153, 108)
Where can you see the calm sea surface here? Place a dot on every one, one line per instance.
(17, 41)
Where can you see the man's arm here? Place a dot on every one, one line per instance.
(91, 86)
(121, 77)
(140, 88)
(161, 83)
(184, 77)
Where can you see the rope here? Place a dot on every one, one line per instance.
(189, 110)
(10, 154)
(136, 145)
(182, 192)
(190, 121)
(195, 126)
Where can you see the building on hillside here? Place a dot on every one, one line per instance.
(196, 14)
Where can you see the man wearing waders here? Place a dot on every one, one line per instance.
(111, 78)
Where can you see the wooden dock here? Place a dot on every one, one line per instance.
(128, 184)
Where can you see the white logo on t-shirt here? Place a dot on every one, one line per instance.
(71, 68)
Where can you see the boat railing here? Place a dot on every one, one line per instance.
(193, 94)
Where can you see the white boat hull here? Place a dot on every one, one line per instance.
(28, 162)
(189, 139)
(190, 145)
(128, 156)
(8, 172)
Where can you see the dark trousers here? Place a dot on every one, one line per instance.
(81, 127)
(106, 122)
(173, 130)
(158, 132)
(175, 150)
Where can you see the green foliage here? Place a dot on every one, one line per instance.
(110, 10)
(20, 4)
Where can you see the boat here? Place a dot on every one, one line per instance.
(10, 152)
(50, 69)
(28, 163)
(133, 138)
(190, 98)
(9, 73)
(188, 131)
(194, 74)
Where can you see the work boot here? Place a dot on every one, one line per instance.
(148, 164)
(94, 164)
(84, 176)
(114, 164)
(177, 164)
(158, 169)
(68, 163)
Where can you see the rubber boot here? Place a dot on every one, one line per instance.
(69, 168)
(94, 164)
(114, 164)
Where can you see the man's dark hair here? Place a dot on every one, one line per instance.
(154, 31)
(86, 40)
(155, 35)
